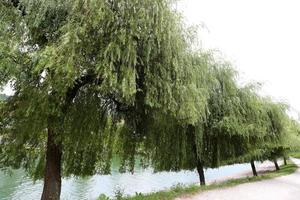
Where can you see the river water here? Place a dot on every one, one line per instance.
(19, 187)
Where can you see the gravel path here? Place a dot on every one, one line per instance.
(281, 188)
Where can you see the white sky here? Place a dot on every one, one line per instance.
(260, 37)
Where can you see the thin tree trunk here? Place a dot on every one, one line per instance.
(201, 173)
(284, 161)
(276, 164)
(52, 176)
(253, 168)
(200, 170)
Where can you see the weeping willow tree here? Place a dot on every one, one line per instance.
(216, 136)
(176, 144)
(79, 69)
(274, 137)
(248, 127)
(292, 141)
(162, 145)
(277, 129)
(254, 122)
(270, 135)
(236, 125)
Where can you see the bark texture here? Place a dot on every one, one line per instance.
(52, 176)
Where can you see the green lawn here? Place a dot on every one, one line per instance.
(192, 189)
(295, 155)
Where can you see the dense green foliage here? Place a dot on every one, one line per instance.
(238, 126)
(79, 69)
(89, 64)
(93, 79)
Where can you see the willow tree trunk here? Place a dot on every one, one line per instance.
(276, 164)
(201, 172)
(284, 161)
(253, 168)
(52, 176)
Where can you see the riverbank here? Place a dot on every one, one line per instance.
(283, 187)
(184, 191)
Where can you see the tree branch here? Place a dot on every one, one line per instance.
(72, 92)
(16, 4)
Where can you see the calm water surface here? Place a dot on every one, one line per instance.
(19, 187)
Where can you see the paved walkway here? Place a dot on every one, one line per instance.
(281, 188)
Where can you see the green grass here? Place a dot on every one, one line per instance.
(295, 155)
(181, 190)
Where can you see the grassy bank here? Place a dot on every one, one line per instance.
(295, 155)
(192, 189)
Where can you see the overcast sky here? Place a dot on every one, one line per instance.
(260, 37)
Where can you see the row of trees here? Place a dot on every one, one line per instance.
(238, 126)
(95, 79)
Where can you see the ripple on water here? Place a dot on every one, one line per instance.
(20, 187)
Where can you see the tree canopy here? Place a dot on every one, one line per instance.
(78, 69)
(92, 79)
(238, 126)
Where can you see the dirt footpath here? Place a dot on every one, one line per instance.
(281, 188)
